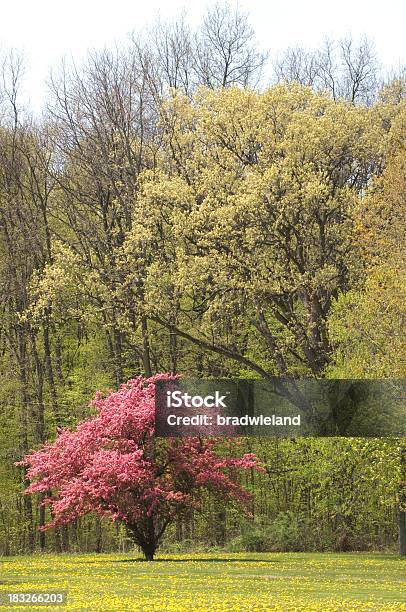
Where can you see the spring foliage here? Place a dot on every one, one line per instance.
(111, 464)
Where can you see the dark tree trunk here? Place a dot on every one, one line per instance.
(50, 370)
(146, 357)
(220, 527)
(402, 532)
(99, 536)
(402, 503)
(24, 445)
(149, 551)
(41, 522)
(179, 530)
(65, 538)
(147, 535)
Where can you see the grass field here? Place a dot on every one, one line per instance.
(201, 582)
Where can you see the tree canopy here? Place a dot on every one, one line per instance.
(111, 464)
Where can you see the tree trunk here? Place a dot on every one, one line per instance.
(149, 551)
(220, 527)
(402, 532)
(402, 503)
(65, 538)
(147, 535)
(99, 536)
(50, 370)
(24, 445)
(41, 523)
(146, 357)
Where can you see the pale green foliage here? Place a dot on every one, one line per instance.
(250, 216)
(368, 323)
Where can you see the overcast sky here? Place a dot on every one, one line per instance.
(46, 30)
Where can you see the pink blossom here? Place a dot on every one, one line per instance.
(112, 465)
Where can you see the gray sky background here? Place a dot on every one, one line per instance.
(46, 30)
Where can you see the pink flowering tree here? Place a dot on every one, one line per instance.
(112, 465)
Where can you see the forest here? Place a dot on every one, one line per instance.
(175, 210)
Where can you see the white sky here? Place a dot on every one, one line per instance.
(48, 29)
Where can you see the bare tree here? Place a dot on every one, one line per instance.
(220, 53)
(298, 65)
(346, 69)
(12, 74)
(328, 68)
(225, 51)
(104, 137)
(171, 54)
(22, 250)
(358, 69)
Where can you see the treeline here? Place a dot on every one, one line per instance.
(170, 212)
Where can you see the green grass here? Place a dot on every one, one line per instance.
(199, 582)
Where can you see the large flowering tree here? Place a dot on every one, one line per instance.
(112, 465)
